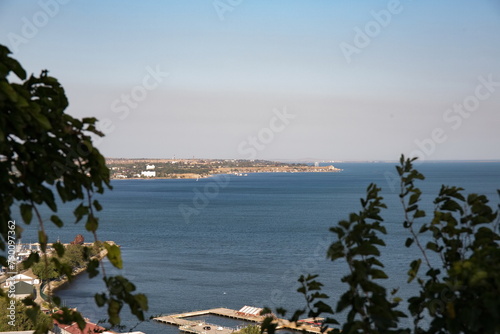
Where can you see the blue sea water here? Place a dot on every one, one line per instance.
(231, 241)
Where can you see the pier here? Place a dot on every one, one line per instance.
(200, 327)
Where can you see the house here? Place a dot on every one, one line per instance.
(23, 290)
(21, 278)
(79, 240)
(150, 167)
(90, 328)
(148, 173)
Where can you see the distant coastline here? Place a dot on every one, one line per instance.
(133, 169)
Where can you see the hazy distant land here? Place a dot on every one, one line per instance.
(201, 168)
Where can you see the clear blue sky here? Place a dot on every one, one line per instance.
(234, 64)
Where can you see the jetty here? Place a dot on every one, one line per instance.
(247, 313)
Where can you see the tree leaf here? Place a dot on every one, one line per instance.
(8, 91)
(42, 239)
(92, 223)
(92, 268)
(26, 213)
(80, 211)
(42, 120)
(59, 248)
(409, 242)
(32, 259)
(97, 205)
(378, 274)
(414, 268)
(56, 220)
(114, 255)
(432, 246)
(419, 214)
(100, 299)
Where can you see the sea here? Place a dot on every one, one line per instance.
(230, 240)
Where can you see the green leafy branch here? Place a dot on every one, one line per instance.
(44, 151)
(462, 294)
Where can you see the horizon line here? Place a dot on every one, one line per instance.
(311, 160)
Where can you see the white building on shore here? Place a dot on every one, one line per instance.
(148, 173)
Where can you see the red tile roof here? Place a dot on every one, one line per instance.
(90, 328)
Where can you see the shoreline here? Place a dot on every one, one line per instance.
(189, 176)
(52, 286)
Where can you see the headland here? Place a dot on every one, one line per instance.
(202, 168)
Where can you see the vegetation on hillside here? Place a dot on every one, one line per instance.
(251, 329)
(18, 317)
(74, 257)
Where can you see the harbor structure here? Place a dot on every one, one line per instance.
(246, 313)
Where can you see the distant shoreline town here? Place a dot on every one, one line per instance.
(203, 168)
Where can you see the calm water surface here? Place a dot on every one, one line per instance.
(251, 238)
